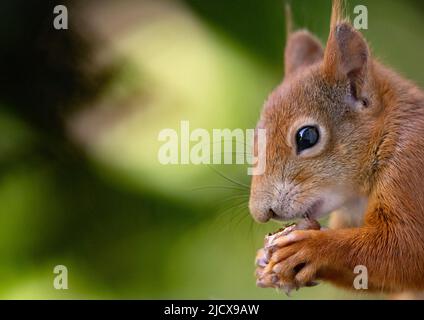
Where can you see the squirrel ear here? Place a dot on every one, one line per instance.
(302, 50)
(346, 55)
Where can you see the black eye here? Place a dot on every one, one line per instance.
(306, 138)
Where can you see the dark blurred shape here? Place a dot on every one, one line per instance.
(44, 75)
(44, 71)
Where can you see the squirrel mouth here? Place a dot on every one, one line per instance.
(312, 211)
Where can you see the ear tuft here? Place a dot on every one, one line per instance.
(289, 19)
(302, 48)
(347, 52)
(338, 13)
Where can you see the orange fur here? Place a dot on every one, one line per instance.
(373, 148)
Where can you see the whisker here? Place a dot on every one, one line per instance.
(228, 178)
(217, 187)
(233, 209)
(224, 209)
(238, 212)
(233, 198)
(232, 141)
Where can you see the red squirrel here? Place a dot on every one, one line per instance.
(345, 134)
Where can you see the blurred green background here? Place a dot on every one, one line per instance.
(80, 112)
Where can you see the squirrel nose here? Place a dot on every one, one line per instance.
(260, 213)
(263, 217)
(272, 213)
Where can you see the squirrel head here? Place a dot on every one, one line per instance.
(319, 125)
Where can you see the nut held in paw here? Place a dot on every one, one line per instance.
(305, 224)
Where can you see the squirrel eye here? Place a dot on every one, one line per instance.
(306, 138)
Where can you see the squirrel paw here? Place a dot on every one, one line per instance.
(294, 262)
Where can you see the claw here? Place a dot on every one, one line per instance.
(260, 284)
(262, 262)
(312, 284)
(259, 274)
(287, 289)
